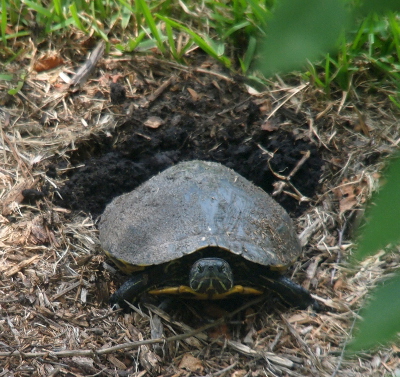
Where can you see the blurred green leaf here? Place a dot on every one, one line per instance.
(383, 226)
(6, 76)
(381, 317)
(301, 31)
(379, 6)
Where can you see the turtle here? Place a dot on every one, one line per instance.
(200, 230)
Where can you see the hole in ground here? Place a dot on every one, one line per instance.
(202, 118)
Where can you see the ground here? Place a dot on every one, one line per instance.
(68, 151)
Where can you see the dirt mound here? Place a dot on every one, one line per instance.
(196, 117)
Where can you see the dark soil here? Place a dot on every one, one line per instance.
(202, 117)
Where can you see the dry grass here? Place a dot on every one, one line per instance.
(54, 319)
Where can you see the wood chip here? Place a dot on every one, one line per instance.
(154, 122)
(191, 363)
(21, 266)
(118, 364)
(14, 196)
(193, 94)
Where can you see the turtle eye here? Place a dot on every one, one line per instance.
(221, 268)
(200, 268)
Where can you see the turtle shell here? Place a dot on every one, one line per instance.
(191, 206)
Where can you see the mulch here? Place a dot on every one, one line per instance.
(67, 151)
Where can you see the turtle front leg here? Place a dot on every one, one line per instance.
(292, 294)
(130, 290)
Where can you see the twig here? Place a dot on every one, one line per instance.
(269, 356)
(299, 89)
(104, 351)
(87, 68)
(305, 157)
(55, 371)
(305, 235)
(166, 317)
(63, 292)
(300, 341)
(21, 265)
(286, 179)
(227, 369)
(234, 107)
(344, 348)
(216, 74)
(159, 90)
(187, 69)
(339, 244)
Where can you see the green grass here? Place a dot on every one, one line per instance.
(371, 50)
(229, 31)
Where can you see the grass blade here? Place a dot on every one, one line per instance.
(142, 5)
(3, 21)
(44, 12)
(201, 42)
(235, 28)
(58, 8)
(171, 41)
(395, 29)
(74, 13)
(19, 86)
(249, 55)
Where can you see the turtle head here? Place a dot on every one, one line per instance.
(211, 276)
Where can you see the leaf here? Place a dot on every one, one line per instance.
(47, 62)
(350, 193)
(191, 363)
(379, 6)
(269, 125)
(382, 226)
(380, 321)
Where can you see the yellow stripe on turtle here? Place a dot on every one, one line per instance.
(124, 266)
(184, 290)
